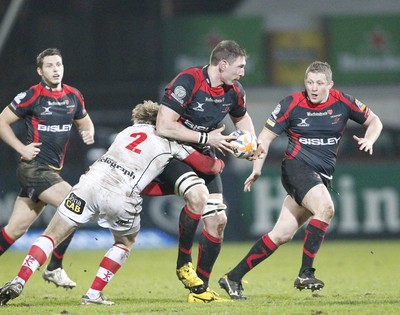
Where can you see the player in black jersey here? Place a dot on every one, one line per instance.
(194, 104)
(314, 121)
(48, 109)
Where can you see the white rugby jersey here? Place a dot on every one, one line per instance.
(134, 159)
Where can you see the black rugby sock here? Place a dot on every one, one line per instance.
(188, 223)
(260, 251)
(315, 233)
(5, 241)
(209, 248)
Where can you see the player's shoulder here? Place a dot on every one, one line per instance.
(70, 89)
(31, 93)
(339, 95)
(293, 100)
(238, 87)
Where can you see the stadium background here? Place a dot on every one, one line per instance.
(120, 52)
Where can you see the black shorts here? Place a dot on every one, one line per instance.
(298, 178)
(176, 168)
(35, 178)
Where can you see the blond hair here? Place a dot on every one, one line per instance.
(145, 113)
(320, 67)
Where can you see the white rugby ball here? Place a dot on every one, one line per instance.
(245, 145)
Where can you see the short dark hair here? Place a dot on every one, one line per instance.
(45, 53)
(228, 50)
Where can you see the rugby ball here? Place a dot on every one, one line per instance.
(245, 145)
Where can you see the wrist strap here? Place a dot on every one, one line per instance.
(203, 138)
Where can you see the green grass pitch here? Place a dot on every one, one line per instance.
(361, 277)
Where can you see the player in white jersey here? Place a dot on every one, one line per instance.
(109, 193)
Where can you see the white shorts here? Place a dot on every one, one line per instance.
(89, 201)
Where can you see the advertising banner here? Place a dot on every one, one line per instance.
(366, 198)
(188, 42)
(291, 53)
(364, 49)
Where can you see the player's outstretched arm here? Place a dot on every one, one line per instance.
(265, 138)
(206, 164)
(374, 128)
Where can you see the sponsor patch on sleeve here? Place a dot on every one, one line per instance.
(270, 122)
(361, 105)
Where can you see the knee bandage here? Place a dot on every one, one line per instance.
(214, 207)
(186, 182)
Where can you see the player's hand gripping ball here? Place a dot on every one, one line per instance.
(245, 145)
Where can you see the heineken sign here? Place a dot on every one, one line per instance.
(364, 49)
(367, 201)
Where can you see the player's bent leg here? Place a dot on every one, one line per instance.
(54, 195)
(214, 218)
(59, 228)
(195, 193)
(110, 264)
(24, 214)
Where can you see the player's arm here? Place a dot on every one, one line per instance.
(246, 123)
(205, 164)
(167, 126)
(374, 127)
(265, 137)
(86, 129)
(7, 118)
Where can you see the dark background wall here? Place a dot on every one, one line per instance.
(113, 52)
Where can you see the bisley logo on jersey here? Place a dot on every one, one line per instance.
(320, 141)
(55, 128)
(194, 127)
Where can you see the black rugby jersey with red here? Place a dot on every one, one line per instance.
(48, 117)
(314, 131)
(201, 106)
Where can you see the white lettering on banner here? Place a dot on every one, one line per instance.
(350, 62)
(380, 207)
(348, 201)
(381, 203)
(268, 195)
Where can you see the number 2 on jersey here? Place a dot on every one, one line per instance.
(138, 137)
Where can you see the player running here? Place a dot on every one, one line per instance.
(109, 193)
(193, 106)
(314, 121)
(48, 110)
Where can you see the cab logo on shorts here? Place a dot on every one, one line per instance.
(75, 204)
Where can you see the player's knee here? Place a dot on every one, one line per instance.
(196, 199)
(326, 213)
(215, 208)
(186, 182)
(16, 231)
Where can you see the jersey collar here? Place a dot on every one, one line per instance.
(48, 87)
